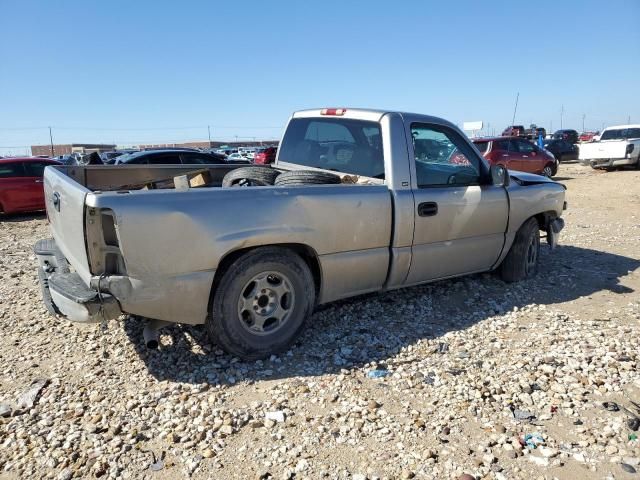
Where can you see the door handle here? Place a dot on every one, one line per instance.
(38, 181)
(427, 209)
(505, 154)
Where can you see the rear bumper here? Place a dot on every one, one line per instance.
(65, 294)
(608, 162)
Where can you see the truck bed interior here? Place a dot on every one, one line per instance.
(139, 177)
(152, 177)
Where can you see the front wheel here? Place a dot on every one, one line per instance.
(522, 260)
(261, 303)
(547, 171)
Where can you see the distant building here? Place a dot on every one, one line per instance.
(206, 144)
(82, 148)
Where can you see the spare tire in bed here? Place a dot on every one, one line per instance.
(306, 177)
(250, 176)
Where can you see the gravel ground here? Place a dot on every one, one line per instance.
(467, 369)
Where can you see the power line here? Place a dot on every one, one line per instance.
(121, 129)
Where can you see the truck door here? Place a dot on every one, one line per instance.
(530, 159)
(460, 217)
(34, 171)
(15, 187)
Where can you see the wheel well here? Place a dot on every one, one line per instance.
(307, 253)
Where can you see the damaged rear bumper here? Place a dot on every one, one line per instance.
(65, 294)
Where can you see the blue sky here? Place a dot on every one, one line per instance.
(148, 71)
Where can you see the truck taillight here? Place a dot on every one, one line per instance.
(333, 111)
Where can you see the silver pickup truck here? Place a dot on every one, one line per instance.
(358, 201)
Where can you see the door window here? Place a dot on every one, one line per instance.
(526, 147)
(502, 145)
(164, 159)
(35, 169)
(197, 158)
(442, 157)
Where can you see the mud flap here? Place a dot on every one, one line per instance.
(553, 232)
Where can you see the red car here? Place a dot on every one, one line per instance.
(21, 188)
(265, 156)
(587, 136)
(517, 154)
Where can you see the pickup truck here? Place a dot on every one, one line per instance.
(617, 146)
(414, 202)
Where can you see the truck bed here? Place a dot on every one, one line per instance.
(173, 240)
(607, 149)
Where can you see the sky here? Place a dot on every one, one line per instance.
(155, 71)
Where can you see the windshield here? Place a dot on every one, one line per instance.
(620, 133)
(339, 144)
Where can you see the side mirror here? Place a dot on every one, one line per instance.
(499, 176)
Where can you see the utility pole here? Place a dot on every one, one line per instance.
(583, 115)
(551, 126)
(561, 113)
(628, 119)
(514, 109)
(209, 132)
(51, 140)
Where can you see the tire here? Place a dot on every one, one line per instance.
(522, 260)
(250, 176)
(306, 177)
(242, 319)
(547, 171)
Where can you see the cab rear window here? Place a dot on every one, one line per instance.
(342, 145)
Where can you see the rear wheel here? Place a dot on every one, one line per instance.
(522, 260)
(261, 303)
(547, 171)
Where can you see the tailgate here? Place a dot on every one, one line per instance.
(592, 151)
(65, 199)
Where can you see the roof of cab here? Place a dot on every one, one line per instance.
(369, 114)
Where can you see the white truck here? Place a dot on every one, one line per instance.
(618, 146)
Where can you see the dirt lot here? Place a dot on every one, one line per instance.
(462, 359)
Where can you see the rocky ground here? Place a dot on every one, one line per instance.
(469, 376)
